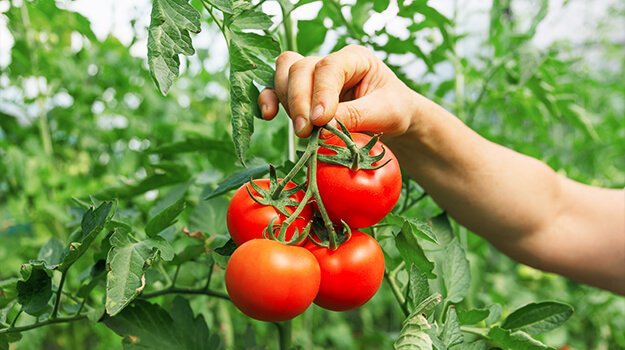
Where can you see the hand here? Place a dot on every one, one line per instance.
(351, 85)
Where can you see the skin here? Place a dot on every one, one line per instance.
(517, 203)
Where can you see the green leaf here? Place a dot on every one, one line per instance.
(148, 326)
(413, 335)
(222, 5)
(263, 45)
(538, 318)
(451, 334)
(8, 291)
(418, 227)
(427, 305)
(35, 292)
(194, 144)
(419, 287)
(165, 218)
(236, 179)
(93, 221)
(515, 340)
(210, 217)
(310, 35)
(441, 228)
(51, 253)
(168, 174)
(494, 315)
(474, 316)
(169, 37)
(95, 315)
(412, 252)
(243, 97)
(456, 272)
(227, 249)
(253, 18)
(4, 342)
(128, 260)
(478, 345)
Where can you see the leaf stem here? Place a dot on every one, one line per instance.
(59, 292)
(287, 23)
(390, 278)
(42, 324)
(217, 20)
(285, 332)
(475, 330)
(415, 201)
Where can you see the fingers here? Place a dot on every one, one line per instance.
(281, 79)
(268, 102)
(299, 94)
(333, 74)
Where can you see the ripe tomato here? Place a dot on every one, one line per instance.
(247, 219)
(270, 281)
(350, 275)
(361, 198)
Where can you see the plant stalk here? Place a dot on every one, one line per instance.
(59, 292)
(285, 333)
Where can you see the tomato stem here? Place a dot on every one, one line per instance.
(285, 332)
(349, 143)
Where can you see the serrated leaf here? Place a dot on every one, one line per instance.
(538, 318)
(412, 252)
(35, 292)
(252, 18)
(515, 340)
(93, 221)
(243, 97)
(263, 45)
(441, 229)
(451, 334)
(210, 217)
(236, 179)
(168, 37)
(427, 305)
(165, 218)
(474, 316)
(419, 286)
(413, 335)
(227, 249)
(148, 326)
(222, 5)
(127, 261)
(456, 273)
(478, 345)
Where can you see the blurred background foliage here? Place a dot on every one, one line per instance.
(80, 116)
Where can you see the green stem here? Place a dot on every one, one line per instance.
(209, 277)
(287, 23)
(415, 201)
(285, 332)
(217, 20)
(475, 330)
(390, 278)
(42, 324)
(173, 280)
(15, 319)
(194, 291)
(349, 143)
(350, 28)
(59, 292)
(163, 272)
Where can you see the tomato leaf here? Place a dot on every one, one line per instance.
(210, 217)
(451, 334)
(8, 291)
(93, 221)
(35, 292)
(236, 179)
(538, 318)
(494, 315)
(128, 260)
(169, 173)
(515, 340)
(418, 227)
(172, 20)
(412, 252)
(52, 253)
(413, 335)
(419, 287)
(474, 316)
(148, 326)
(227, 249)
(310, 35)
(165, 218)
(456, 272)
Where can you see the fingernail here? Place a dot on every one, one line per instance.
(300, 124)
(263, 110)
(317, 112)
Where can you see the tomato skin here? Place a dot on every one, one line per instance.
(247, 219)
(350, 275)
(271, 281)
(361, 198)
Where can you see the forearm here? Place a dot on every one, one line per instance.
(493, 191)
(516, 202)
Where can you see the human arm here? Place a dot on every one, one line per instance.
(516, 202)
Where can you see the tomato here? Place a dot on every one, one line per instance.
(361, 198)
(271, 281)
(350, 275)
(247, 219)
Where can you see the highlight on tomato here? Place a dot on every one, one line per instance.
(271, 281)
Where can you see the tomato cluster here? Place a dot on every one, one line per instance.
(272, 281)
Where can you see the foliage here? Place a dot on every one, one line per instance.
(113, 197)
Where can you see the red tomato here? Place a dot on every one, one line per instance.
(361, 198)
(350, 275)
(270, 281)
(247, 219)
